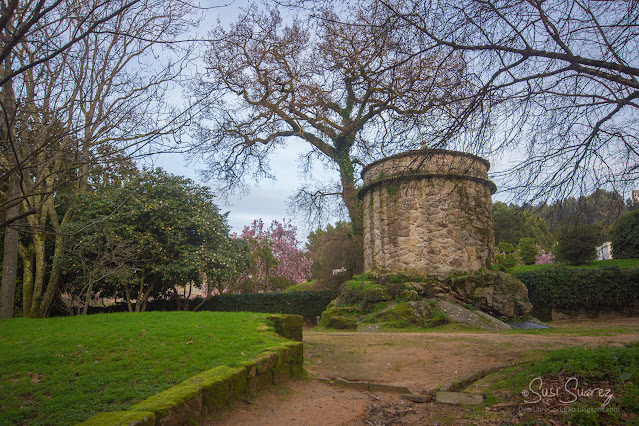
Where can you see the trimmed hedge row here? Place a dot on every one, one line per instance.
(309, 304)
(605, 288)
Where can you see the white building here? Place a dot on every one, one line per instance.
(604, 251)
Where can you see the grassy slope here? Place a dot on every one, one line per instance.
(622, 263)
(63, 370)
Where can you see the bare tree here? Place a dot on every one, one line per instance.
(348, 91)
(24, 20)
(557, 86)
(94, 259)
(91, 106)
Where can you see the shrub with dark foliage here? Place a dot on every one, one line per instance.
(577, 244)
(625, 237)
(604, 288)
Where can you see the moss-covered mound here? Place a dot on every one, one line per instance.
(399, 301)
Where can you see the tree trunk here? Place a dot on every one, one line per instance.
(127, 294)
(87, 299)
(54, 279)
(26, 253)
(40, 263)
(56, 270)
(10, 255)
(354, 207)
(349, 193)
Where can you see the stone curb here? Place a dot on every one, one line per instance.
(211, 390)
(420, 399)
(365, 386)
(464, 381)
(459, 398)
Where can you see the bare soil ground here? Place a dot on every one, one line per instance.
(419, 361)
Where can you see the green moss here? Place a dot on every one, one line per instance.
(365, 292)
(342, 323)
(215, 375)
(121, 418)
(221, 385)
(288, 326)
(438, 319)
(162, 403)
(380, 176)
(410, 295)
(402, 315)
(342, 318)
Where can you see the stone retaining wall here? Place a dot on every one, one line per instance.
(211, 390)
(428, 211)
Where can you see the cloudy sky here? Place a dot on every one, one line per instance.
(267, 199)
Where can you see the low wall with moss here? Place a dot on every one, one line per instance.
(214, 389)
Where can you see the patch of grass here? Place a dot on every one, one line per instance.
(305, 286)
(621, 263)
(606, 367)
(66, 369)
(578, 330)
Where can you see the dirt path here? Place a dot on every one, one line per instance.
(419, 361)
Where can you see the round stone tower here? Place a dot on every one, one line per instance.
(428, 211)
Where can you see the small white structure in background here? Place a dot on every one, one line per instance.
(339, 271)
(604, 251)
(635, 196)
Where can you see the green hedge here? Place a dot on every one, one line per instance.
(309, 304)
(605, 288)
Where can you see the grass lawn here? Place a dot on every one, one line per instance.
(64, 370)
(622, 263)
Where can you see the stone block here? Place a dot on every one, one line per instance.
(362, 386)
(380, 387)
(421, 399)
(265, 361)
(175, 405)
(459, 398)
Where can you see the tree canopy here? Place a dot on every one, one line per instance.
(512, 223)
(556, 86)
(170, 231)
(335, 248)
(349, 92)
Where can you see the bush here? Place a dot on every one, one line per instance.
(335, 249)
(527, 250)
(577, 244)
(607, 288)
(625, 237)
(506, 257)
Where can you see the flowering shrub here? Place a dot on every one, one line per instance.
(544, 258)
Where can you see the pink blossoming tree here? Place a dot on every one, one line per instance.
(276, 260)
